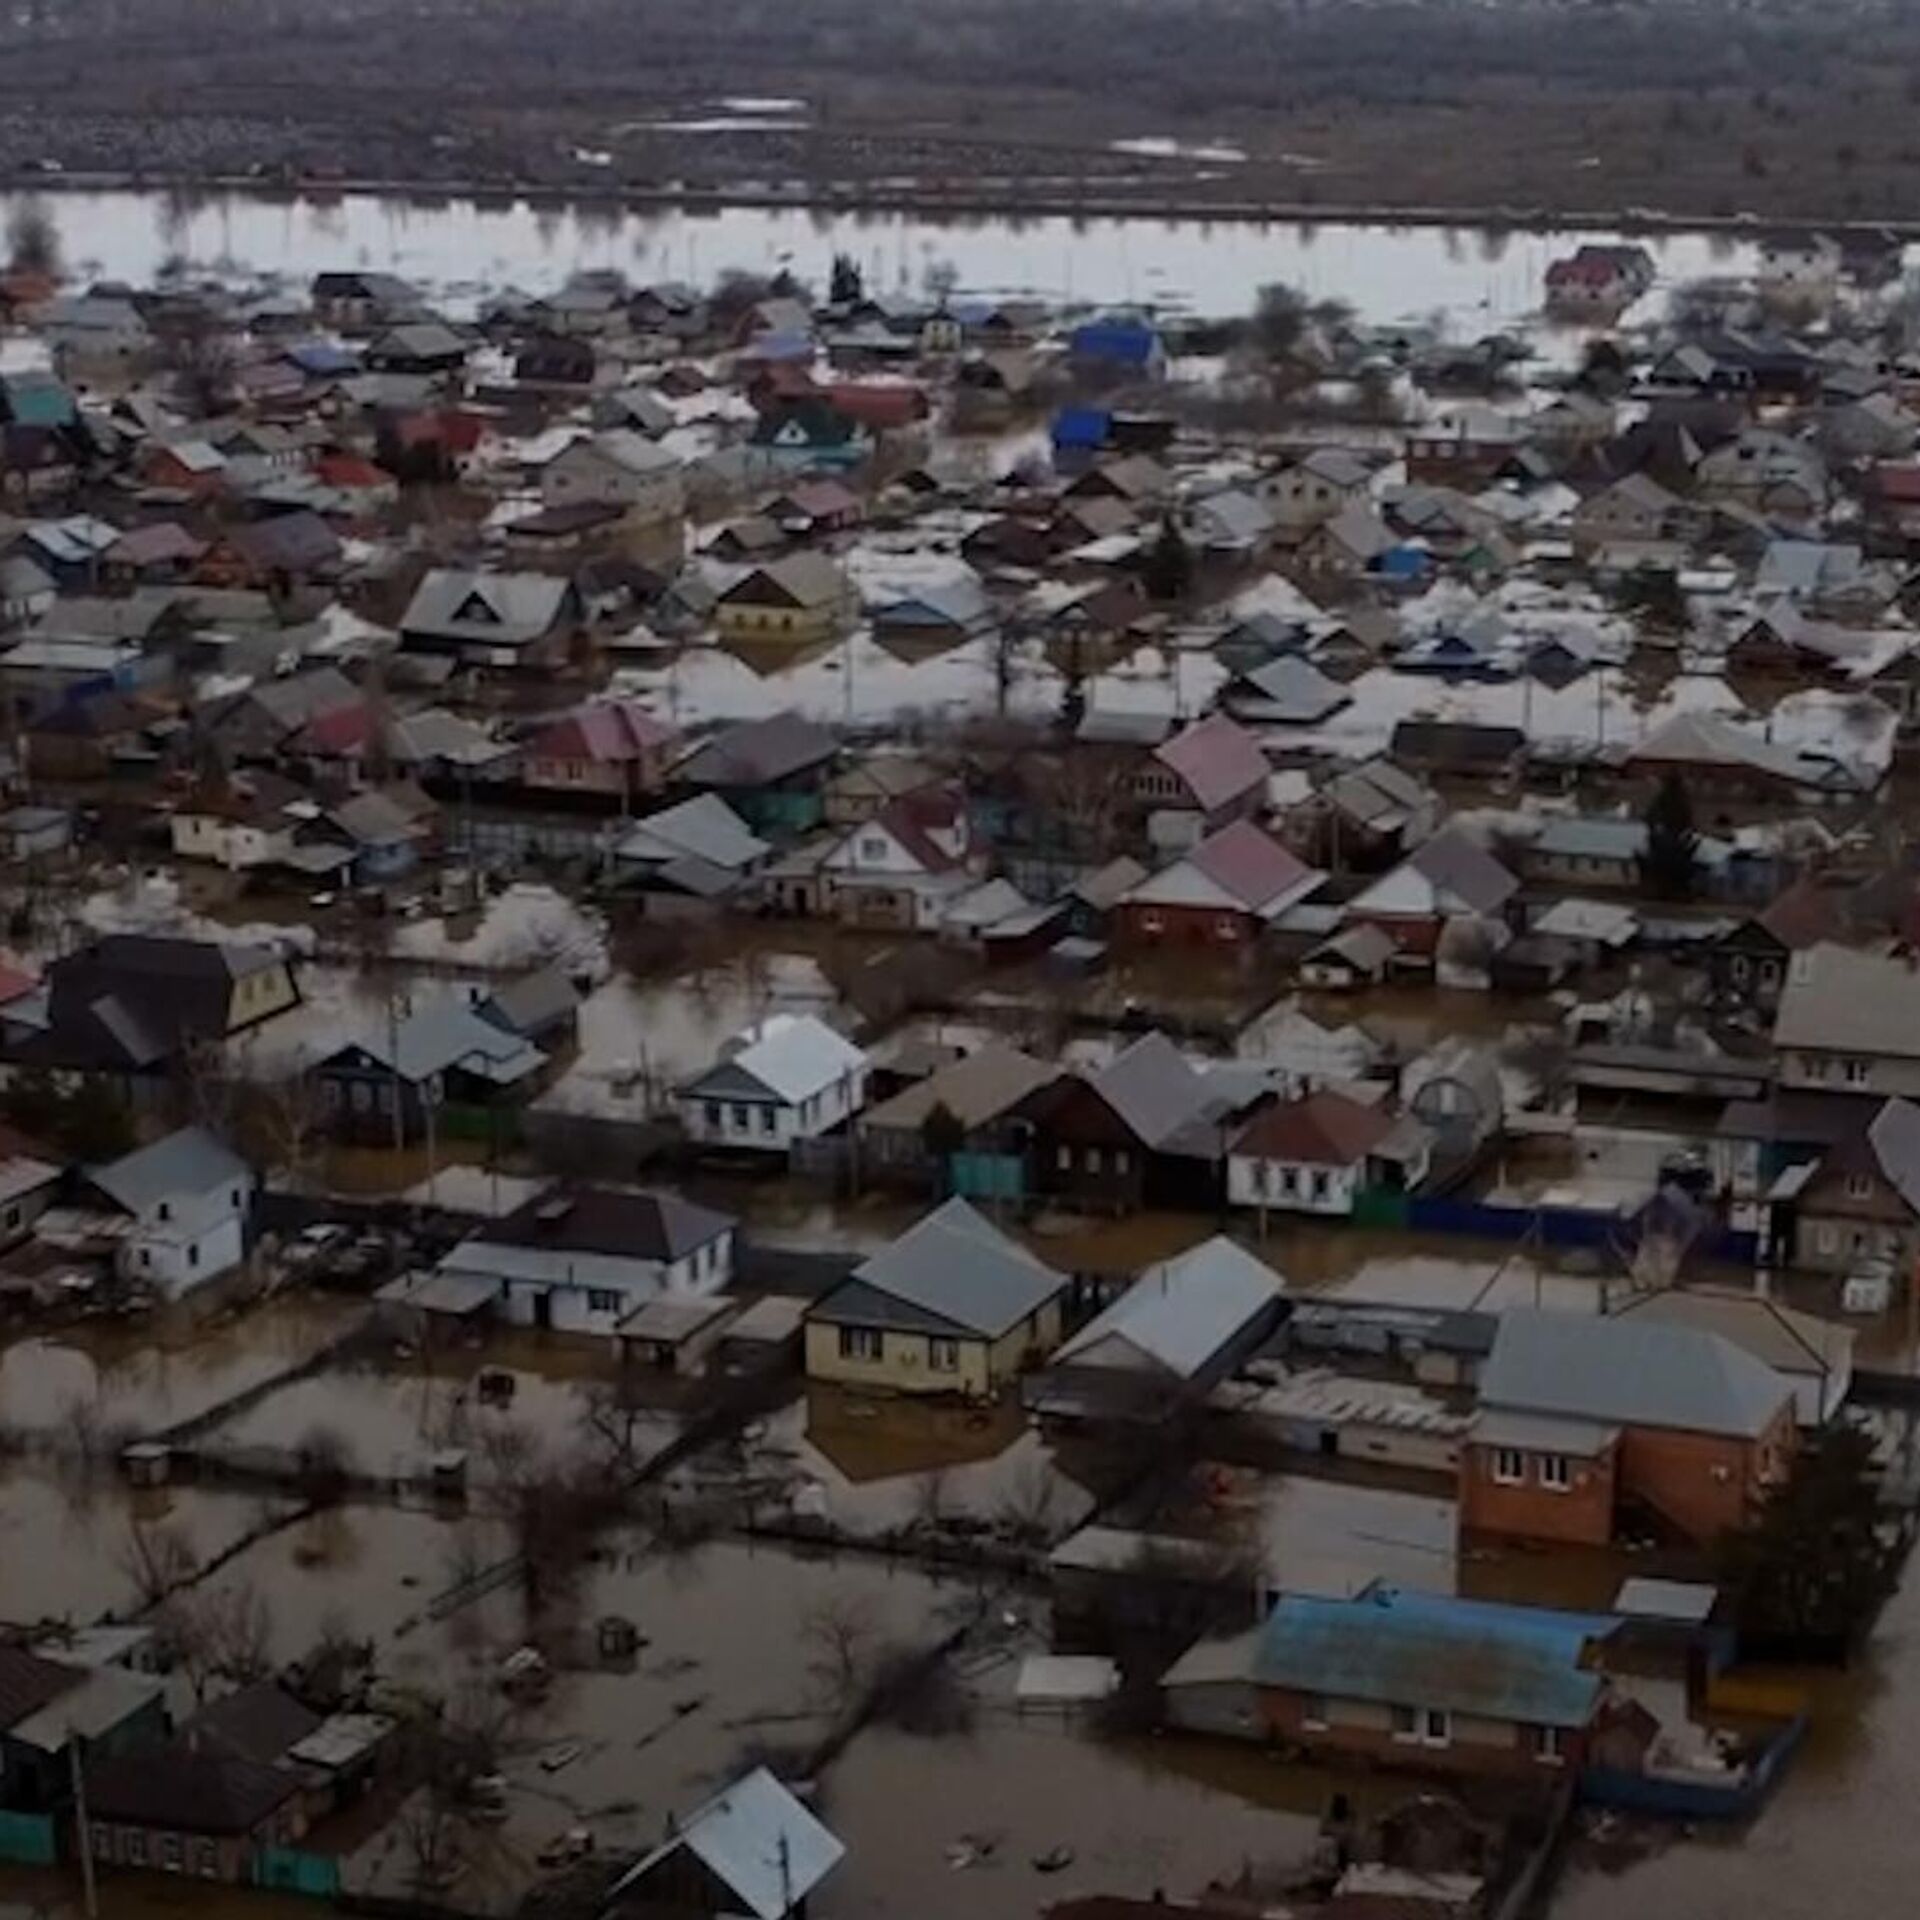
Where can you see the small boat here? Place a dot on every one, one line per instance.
(1054, 1860)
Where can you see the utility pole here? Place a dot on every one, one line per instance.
(82, 1828)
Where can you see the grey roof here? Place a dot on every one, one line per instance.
(759, 752)
(1293, 691)
(452, 1034)
(1182, 1312)
(1459, 865)
(1588, 837)
(1895, 1140)
(703, 828)
(190, 1161)
(1154, 1088)
(792, 1056)
(1629, 1372)
(956, 1265)
(1842, 1000)
(534, 1000)
(492, 609)
(758, 1841)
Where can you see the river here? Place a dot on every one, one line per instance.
(458, 249)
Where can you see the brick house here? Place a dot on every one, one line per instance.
(1582, 1420)
(1411, 1681)
(1225, 893)
(1862, 1201)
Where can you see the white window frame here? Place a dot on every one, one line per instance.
(943, 1355)
(1406, 1725)
(1436, 1727)
(1550, 1746)
(1555, 1471)
(1508, 1467)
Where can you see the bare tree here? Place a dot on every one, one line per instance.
(157, 1559)
(222, 1634)
(33, 238)
(840, 1634)
(613, 1418)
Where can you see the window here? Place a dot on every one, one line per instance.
(1855, 1072)
(1289, 1179)
(103, 1843)
(13, 1216)
(873, 846)
(1555, 1473)
(1093, 1159)
(193, 1254)
(1550, 1745)
(134, 1852)
(1406, 1724)
(1827, 1237)
(1436, 1727)
(602, 1300)
(1313, 1712)
(713, 1114)
(1120, 1160)
(1063, 1159)
(943, 1356)
(1509, 1466)
(165, 1210)
(173, 1855)
(206, 1859)
(1859, 1187)
(1319, 1184)
(1260, 1174)
(1153, 923)
(1225, 927)
(860, 1343)
(1739, 969)
(768, 1120)
(740, 1117)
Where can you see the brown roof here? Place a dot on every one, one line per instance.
(187, 1792)
(1323, 1130)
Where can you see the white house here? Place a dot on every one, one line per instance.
(904, 867)
(1318, 1154)
(619, 468)
(1802, 271)
(789, 1078)
(582, 1260)
(186, 1199)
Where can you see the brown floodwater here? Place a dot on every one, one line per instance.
(1839, 1836)
(146, 1378)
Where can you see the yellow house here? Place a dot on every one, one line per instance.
(804, 597)
(953, 1306)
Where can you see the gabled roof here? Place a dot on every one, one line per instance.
(188, 1162)
(1838, 999)
(611, 732)
(704, 828)
(759, 753)
(28, 1683)
(1179, 1314)
(1629, 1372)
(1326, 1129)
(1293, 692)
(1154, 1088)
(793, 1056)
(494, 609)
(1460, 1656)
(1217, 759)
(182, 1791)
(1253, 868)
(607, 1220)
(758, 1841)
(956, 1266)
(975, 1090)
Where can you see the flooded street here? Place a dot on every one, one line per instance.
(1837, 1838)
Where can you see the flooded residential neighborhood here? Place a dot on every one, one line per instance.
(854, 1066)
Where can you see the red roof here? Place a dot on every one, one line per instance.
(912, 819)
(1323, 1130)
(14, 982)
(350, 470)
(1217, 758)
(1251, 865)
(608, 731)
(345, 730)
(878, 404)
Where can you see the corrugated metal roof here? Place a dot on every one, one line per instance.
(1427, 1651)
(957, 1265)
(1181, 1313)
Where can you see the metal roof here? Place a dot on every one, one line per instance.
(1427, 1651)
(1182, 1312)
(190, 1161)
(1629, 1371)
(790, 1055)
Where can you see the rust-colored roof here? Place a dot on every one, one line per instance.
(1323, 1130)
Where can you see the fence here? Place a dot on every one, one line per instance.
(28, 1839)
(988, 1176)
(1694, 1799)
(1561, 1227)
(289, 1870)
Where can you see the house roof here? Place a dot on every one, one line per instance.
(607, 1220)
(1254, 868)
(1179, 1314)
(1461, 1656)
(1782, 1337)
(493, 609)
(703, 828)
(805, 579)
(190, 1161)
(1894, 1138)
(975, 1090)
(1217, 759)
(792, 1055)
(1837, 999)
(758, 1841)
(28, 1683)
(1451, 873)
(533, 1000)
(759, 753)
(955, 1265)
(610, 731)
(261, 1723)
(451, 1034)
(1154, 1088)
(1629, 1371)
(182, 1791)
(1294, 692)
(1326, 1129)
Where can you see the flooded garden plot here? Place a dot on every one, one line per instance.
(506, 1402)
(70, 1546)
(114, 1379)
(1428, 1270)
(863, 1468)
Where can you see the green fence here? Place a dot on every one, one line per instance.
(1380, 1207)
(987, 1176)
(460, 1121)
(289, 1870)
(28, 1839)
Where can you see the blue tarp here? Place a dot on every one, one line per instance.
(1082, 429)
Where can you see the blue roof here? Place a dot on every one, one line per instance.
(1426, 1650)
(1131, 342)
(322, 357)
(1082, 427)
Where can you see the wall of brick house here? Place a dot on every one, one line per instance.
(1582, 1515)
(1706, 1483)
(1363, 1729)
(1151, 926)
